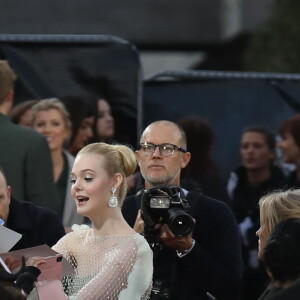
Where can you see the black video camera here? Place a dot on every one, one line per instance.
(163, 205)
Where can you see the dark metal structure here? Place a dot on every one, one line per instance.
(97, 65)
(229, 101)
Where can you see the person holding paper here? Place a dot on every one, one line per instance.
(37, 225)
(111, 260)
(18, 285)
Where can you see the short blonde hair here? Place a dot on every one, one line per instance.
(7, 79)
(279, 206)
(52, 103)
(117, 159)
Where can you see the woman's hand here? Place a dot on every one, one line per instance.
(35, 261)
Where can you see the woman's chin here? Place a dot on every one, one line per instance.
(82, 209)
(260, 255)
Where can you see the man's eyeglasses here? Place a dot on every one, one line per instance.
(165, 149)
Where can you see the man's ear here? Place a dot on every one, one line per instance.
(8, 102)
(8, 191)
(185, 159)
(10, 96)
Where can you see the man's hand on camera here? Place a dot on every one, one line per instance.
(139, 223)
(180, 244)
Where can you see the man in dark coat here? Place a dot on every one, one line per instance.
(37, 225)
(205, 262)
(24, 153)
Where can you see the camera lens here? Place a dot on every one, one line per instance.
(180, 222)
(59, 259)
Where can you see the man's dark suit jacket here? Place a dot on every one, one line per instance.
(38, 225)
(214, 265)
(26, 161)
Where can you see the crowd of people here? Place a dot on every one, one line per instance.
(184, 233)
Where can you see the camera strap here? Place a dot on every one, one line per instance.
(138, 197)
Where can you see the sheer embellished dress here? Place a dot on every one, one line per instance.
(106, 267)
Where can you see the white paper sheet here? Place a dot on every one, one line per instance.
(8, 239)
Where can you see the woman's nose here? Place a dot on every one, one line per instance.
(43, 128)
(47, 128)
(257, 233)
(76, 186)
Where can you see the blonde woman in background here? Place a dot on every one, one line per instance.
(110, 260)
(275, 208)
(51, 119)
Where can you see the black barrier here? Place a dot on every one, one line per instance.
(59, 65)
(229, 101)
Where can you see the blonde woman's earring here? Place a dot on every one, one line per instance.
(113, 200)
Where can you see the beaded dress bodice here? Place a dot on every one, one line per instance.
(106, 267)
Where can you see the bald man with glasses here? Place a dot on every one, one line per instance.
(205, 264)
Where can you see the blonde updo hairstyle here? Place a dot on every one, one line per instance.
(52, 103)
(279, 206)
(117, 159)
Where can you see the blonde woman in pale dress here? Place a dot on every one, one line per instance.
(111, 261)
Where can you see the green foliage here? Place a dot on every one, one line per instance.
(275, 46)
